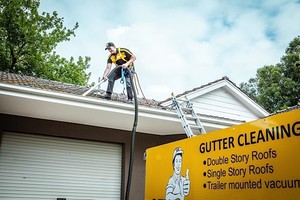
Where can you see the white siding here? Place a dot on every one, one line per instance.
(222, 104)
(40, 167)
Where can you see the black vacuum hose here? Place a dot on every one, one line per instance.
(133, 133)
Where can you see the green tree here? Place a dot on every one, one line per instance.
(28, 40)
(277, 87)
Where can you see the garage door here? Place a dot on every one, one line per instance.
(39, 167)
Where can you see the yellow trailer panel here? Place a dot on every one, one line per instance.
(255, 160)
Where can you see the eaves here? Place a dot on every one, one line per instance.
(42, 104)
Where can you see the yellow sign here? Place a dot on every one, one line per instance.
(255, 160)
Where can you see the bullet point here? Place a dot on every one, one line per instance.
(204, 173)
(204, 185)
(204, 162)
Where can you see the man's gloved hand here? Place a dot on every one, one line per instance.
(125, 65)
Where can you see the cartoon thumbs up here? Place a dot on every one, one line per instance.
(186, 184)
(187, 174)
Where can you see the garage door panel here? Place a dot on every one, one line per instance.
(49, 168)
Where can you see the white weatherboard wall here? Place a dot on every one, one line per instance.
(220, 103)
(42, 167)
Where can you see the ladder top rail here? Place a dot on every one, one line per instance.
(186, 111)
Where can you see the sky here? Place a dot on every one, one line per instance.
(179, 44)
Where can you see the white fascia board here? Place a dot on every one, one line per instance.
(60, 98)
(37, 103)
(76, 100)
(223, 122)
(206, 90)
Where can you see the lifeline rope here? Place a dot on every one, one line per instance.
(138, 81)
(135, 86)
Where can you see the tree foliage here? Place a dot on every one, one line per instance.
(28, 40)
(277, 87)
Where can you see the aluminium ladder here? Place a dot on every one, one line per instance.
(187, 112)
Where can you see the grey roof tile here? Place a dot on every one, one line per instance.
(55, 86)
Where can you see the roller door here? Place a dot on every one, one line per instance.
(42, 167)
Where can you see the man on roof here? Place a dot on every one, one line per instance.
(123, 59)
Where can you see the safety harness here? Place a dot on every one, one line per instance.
(123, 71)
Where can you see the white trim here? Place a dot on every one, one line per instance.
(206, 89)
(37, 103)
(232, 89)
(247, 101)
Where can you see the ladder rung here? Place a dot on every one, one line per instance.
(192, 118)
(186, 112)
(182, 100)
(195, 127)
(187, 109)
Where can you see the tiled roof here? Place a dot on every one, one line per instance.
(55, 86)
(286, 110)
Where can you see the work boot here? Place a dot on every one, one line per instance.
(106, 96)
(130, 101)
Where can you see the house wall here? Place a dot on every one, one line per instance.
(222, 104)
(11, 123)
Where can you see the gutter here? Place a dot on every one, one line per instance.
(7, 88)
(148, 115)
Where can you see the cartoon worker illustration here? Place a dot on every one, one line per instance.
(178, 186)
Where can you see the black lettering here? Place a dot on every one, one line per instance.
(204, 147)
(270, 134)
(246, 140)
(252, 138)
(245, 185)
(285, 131)
(296, 128)
(216, 174)
(275, 184)
(260, 136)
(217, 161)
(219, 144)
(264, 155)
(231, 144)
(255, 155)
(266, 169)
(239, 140)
